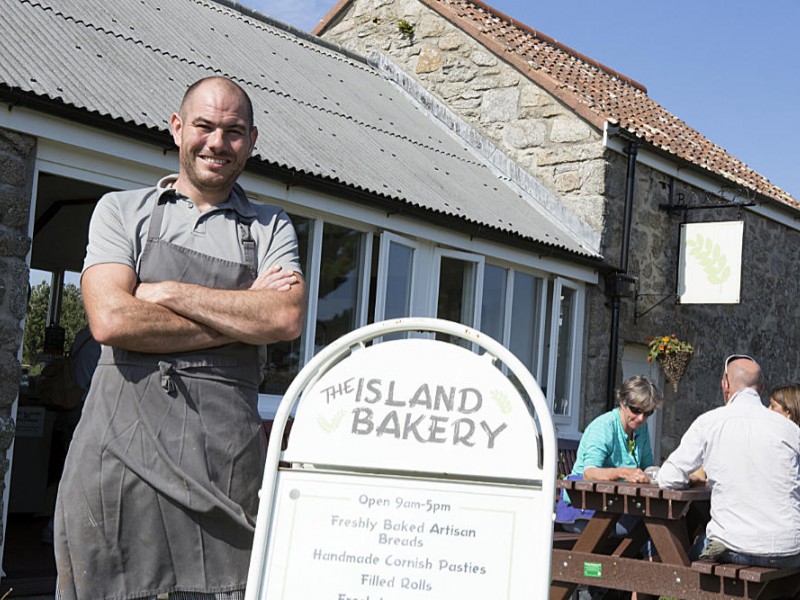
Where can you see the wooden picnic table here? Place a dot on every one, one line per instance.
(670, 519)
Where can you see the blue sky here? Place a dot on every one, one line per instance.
(728, 68)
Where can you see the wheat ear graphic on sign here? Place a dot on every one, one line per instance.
(711, 258)
(332, 424)
(503, 403)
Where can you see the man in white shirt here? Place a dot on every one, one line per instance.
(751, 458)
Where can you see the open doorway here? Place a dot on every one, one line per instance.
(634, 362)
(63, 207)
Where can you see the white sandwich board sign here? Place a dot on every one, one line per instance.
(417, 468)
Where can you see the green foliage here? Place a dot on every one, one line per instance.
(406, 29)
(73, 319)
(332, 424)
(662, 346)
(711, 258)
(502, 401)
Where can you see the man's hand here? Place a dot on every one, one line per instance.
(698, 478)
(275, 278)
(157, 293)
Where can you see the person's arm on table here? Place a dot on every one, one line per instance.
(599, 450)
(630, 474)
(678, 471)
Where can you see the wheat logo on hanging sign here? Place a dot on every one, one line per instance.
(711, 258)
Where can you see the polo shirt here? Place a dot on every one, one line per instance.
(119, 225)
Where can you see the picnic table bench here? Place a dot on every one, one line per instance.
(740, 581)
(670, 518)
(567, 452)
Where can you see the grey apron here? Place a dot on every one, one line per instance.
(159, 491)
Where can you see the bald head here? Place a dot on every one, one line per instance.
(742, 373)
(224, 82)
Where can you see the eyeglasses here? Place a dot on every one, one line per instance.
(638, 411)
(733, 357)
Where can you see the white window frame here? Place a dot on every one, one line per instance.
(478, 260)
(387, 239)
(569, 421)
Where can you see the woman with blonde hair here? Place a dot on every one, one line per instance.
(785, 399)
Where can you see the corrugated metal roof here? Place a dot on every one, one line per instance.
(320, 112)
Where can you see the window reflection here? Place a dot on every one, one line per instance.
(284, 358)
(456, 300)
(493, 302)
(565, 350)
(339, 284)
(398, 282)
(526, 334)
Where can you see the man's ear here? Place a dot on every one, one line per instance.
(253, 138)
(175, 126)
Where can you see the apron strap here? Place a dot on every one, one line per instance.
(248, 243)
(244, 224)
(156, 217)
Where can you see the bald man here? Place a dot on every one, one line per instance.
(752, 463)
(184, 283)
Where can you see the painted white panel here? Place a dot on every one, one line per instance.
(445, 410)
(710, 263)
(393, 539)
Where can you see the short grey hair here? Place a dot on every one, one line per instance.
(640, 392)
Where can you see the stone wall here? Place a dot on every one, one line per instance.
(17, 154)
(764, 324)
(567, 156)
(535, 130)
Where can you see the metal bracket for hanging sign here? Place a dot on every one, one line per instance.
(662, 298)
(680, 206)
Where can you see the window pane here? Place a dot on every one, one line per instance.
(493, 305)
(283, 358)
(526, 339)
(456, 294)
(339, 285)
(398, 282)
(565, 350)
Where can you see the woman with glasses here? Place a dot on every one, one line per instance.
(615, 446)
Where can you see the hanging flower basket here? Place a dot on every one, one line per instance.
(673, 355)
(674, 366)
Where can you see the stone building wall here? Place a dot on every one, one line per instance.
(567, 156)
(763, 324)
(535, 130)
(17, 155)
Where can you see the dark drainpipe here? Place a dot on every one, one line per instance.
(618, 277)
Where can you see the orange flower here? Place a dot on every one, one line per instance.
(666, 345)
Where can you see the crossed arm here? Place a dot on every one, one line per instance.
(170, 316)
